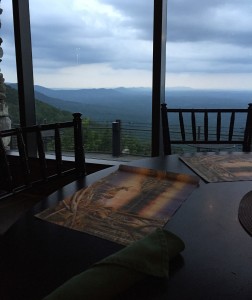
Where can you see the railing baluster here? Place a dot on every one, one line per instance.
(58, 149)
(5, 168)
(23, 156)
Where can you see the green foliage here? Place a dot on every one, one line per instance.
(97, 136)
(12, 101)
(136, 145)
(44, 112)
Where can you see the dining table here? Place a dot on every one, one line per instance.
(38, 256)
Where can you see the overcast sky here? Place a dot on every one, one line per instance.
(108, 43)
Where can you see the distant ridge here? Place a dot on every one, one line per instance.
(178, 88)
(134, 104)
(128, 105)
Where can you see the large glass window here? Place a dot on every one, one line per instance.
(209, 58)
(209, 44)
(95, 57)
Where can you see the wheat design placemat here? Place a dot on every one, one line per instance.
(124, 206)
(220, 167)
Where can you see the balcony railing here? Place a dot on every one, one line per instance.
(122, 139)
(118, 138)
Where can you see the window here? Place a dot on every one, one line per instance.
(97, 57)
(208, 60)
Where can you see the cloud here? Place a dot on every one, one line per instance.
(210, 37)
(91, 74)
(208, 57)
(139, 15)
(216, 21)
(89, 32)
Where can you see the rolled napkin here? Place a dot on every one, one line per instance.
(116, 273)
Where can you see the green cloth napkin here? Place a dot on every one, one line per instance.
(116, 273)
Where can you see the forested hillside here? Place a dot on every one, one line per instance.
(44, 111)
(100, 105)
(97, 139)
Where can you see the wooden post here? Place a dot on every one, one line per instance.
(166, 131)
(158, 72)
(116, 138)
(78, 145)
(22, 34)
(248, 130)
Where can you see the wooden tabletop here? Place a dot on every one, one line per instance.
(37, 256)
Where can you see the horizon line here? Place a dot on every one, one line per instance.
(178, 88)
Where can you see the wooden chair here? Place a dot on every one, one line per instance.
(23, 171)
(211, 127)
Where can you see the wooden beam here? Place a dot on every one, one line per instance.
(21, 19)
(22, 33)
(158, 73)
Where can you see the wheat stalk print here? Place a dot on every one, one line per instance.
(125, 205)
(221, 167)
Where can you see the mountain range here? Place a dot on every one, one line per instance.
(134, 104)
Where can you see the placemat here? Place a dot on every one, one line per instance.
(219, 167)
(245, 212)
(124, 206)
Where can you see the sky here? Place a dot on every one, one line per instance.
(108, 43)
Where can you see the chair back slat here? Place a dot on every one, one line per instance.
(231, 126)
(193, 122)
(32, 170)
(182, 126)
(218, 126)
(217, 118)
